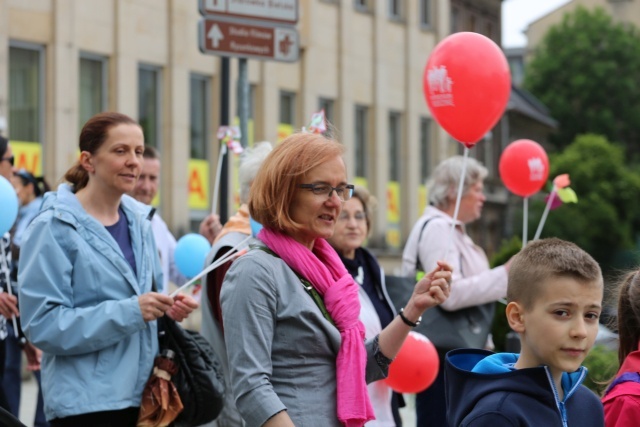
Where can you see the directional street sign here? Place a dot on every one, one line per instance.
(245, 39)
(284, 11)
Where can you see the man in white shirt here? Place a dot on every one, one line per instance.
(146, 189)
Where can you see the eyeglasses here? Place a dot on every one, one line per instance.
(344, 192)
(9, 159)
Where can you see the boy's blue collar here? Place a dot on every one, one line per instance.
(505, 362)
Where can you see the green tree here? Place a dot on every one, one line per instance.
(606, 219)
(586, 72)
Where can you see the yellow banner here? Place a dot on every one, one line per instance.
(28, 155)
(361, 182)
(284, 130)
(393, 214)
(422, 199)
(199, 193)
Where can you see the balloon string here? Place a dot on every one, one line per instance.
(216, 185)
(525, 220)
(545, 213)
(213, 266)
(5, 271)
(458, 198)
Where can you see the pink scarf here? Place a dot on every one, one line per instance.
(324, 269)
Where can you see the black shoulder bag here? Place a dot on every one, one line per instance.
(465, 328)
(199, 380)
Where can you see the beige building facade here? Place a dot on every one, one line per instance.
(61, 61)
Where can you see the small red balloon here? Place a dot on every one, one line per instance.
(415, 367)
(467, 84)
(524, 167)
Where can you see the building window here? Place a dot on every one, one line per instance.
(425, 149)
(425, 13)
(328, 106)
(395, 136)
(287, 107)
(489, 30)
(26, 92)
(395, 9)
(93, 87)
(198, 115)
(149, 103)
(454, 20)
(361, 138)
(472, 23)
(362, 5)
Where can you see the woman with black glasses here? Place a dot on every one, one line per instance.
(296, 348)
(8, 302)
(30, 190)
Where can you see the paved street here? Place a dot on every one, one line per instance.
(28, 400)
(30, 388)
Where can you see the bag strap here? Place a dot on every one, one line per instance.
(308, 287)
(419, 269)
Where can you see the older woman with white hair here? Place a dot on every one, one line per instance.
(465, 319)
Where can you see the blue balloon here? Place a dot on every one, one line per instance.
(9, 203)
(190, 254)
(255, 227)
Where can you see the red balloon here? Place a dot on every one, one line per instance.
(524, 167)
(467, 84)
(415, 367)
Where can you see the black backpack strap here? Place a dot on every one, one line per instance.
(419, 267)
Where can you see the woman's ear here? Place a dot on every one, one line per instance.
(86, 161)
(515, 316)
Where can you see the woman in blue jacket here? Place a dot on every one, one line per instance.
(86, 269)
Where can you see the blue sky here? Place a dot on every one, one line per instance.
(517, 14)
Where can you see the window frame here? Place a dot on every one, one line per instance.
(292, 96)
(206, 114)
(395, 145)
(158, 89)
(41, 96)
(360, 143)
(104, 82)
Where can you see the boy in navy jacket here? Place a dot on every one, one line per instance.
(554, 301)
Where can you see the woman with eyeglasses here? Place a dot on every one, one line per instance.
(377, 311)
(8, 302)
(30, 191)
(296, 348)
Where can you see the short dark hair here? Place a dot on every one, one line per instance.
(40, 185)
(4, 145)
(150, 153)
(544, 259)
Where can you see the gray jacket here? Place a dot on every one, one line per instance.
(281, 350)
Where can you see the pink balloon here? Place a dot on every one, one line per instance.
(466, 84)
(524, 167)
(416, 365)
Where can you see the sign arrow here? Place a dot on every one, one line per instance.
(215, 35)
